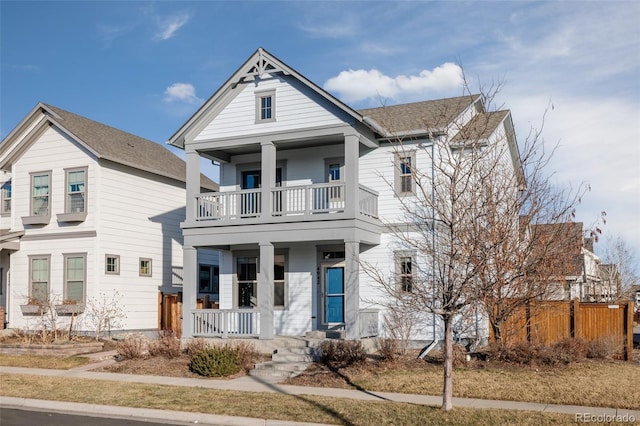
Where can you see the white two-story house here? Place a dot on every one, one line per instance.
(89, 212)
(309, 188)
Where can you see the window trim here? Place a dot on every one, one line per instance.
(69, 216)
(284, 280)
(65, 290)
(117, 264)
(398, 175)
(48, 289)
(263, 94)
(33, 219)
(283, 254)
(3, 190)
(399, 257)
(140, 273)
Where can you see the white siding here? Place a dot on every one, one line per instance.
(296, 107)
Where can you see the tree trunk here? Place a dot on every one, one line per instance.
(497, 331)
(447, 391)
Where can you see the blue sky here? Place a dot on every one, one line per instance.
(145, 67)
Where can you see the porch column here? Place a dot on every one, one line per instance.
(193, 184)
(351, 172)
(265, 291)
(268, 171)
(189, 288)
(352, 290)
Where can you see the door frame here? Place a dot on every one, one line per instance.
(323, 292)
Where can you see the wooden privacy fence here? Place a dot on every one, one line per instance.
(170, 311)
(551, 321)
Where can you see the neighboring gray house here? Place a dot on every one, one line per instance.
(303, 196)
(88, 209)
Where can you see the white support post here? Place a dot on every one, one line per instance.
(268, 176)
(352, 290)
(189, 288)
(352, 174)
(265, 290)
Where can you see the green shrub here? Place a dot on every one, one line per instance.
(216, 362)
(341, 353)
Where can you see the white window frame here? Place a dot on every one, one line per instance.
(266, 94)
(66, 257)
(116, 264)
(6, 200)
(280, 259)
(32, 196)
(149, 273)
(32, 295)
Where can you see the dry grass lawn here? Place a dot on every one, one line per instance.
(33, 361)
(262, 405)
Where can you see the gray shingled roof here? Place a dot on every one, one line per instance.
(481, 126)
(419, 116)
(125, 148)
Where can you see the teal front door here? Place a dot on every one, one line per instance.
(334, 294)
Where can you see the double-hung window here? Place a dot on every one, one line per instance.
(6, 197)
(39, 276)
(75, 277)
(279, 283)
(144, 269)
(112, 264)
(265, 106)
(76, 191)
(405, 181)
(40, 194)
(247, 273)
(405, 271)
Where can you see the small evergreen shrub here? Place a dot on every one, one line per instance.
(216, 362)
(341, 353)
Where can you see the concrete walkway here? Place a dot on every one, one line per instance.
(254, 384)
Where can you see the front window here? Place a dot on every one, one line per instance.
(279, 283)
(266, 106)
(247, 282)
(40, 196)
(6, 197)
(75, 277)
(76, 191)
(39, 278)
(209, 279)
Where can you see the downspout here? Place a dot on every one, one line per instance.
(433, 235)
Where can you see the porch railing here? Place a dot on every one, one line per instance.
(368, 323)
(226, 323)
(298, 200)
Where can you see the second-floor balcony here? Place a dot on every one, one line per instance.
(303, 202)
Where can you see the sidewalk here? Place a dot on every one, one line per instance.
(255, 384)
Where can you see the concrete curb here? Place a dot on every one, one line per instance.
(146, 414)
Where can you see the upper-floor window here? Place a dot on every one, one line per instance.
(39, 274)
(6, 197)
(40, 193)
(404, 179)
(75, 277)
(266, 106)
(76, 200)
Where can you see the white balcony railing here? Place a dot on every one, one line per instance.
(226, 323)
(298, 200)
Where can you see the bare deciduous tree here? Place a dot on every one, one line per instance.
(620, 267)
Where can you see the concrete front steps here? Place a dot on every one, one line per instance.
(285, 362)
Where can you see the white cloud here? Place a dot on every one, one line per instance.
(169, 26)
(357, 85)
(181, 92)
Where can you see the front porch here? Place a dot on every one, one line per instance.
(245, 323)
